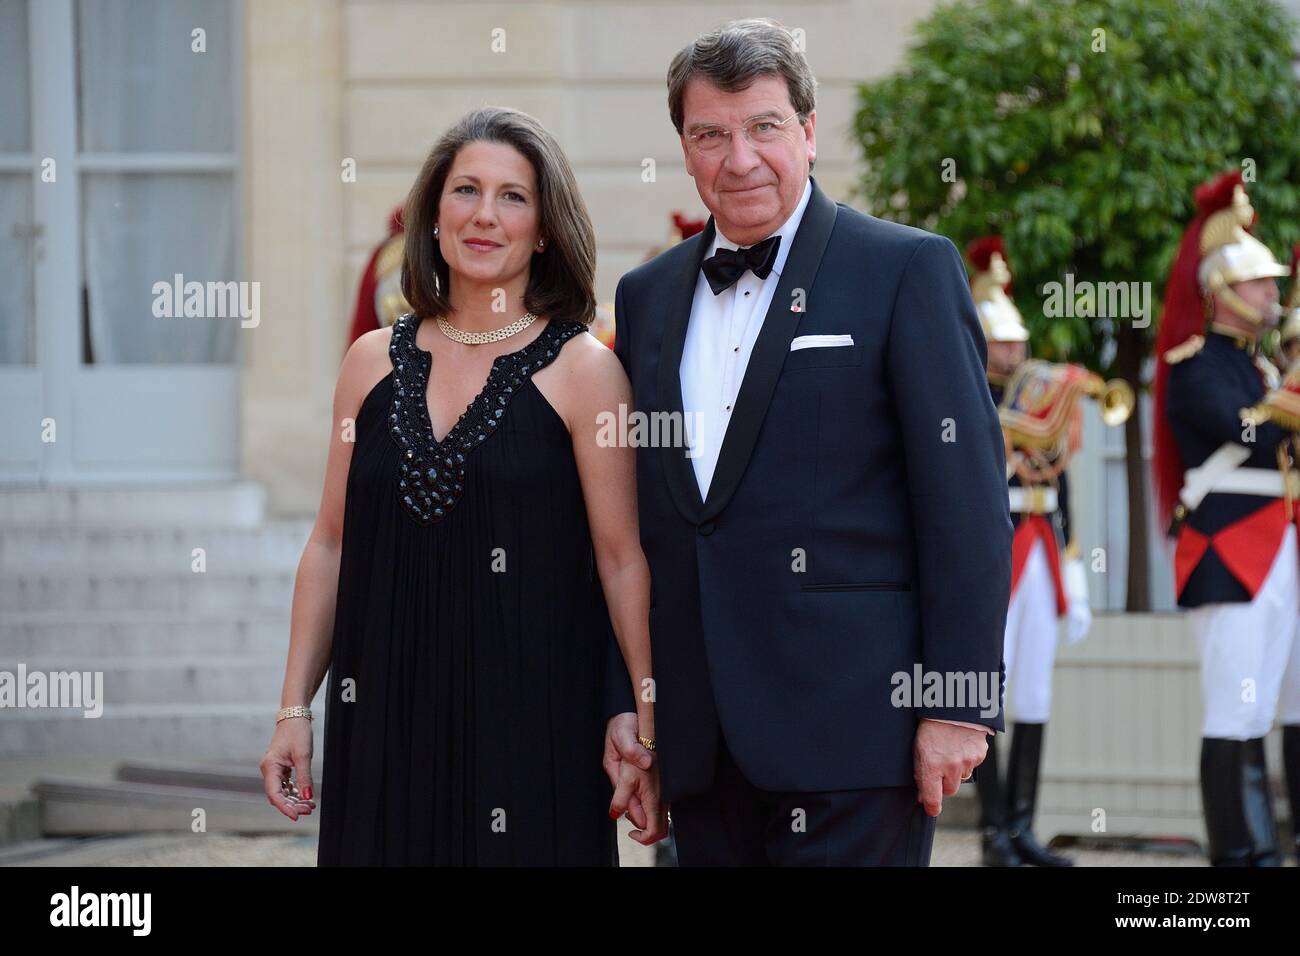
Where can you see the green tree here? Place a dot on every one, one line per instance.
(1078, 129)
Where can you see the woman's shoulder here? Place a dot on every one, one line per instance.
(365, 364)
(586, 377)
(584, 355)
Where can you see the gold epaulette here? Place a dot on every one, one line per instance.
(1185, 351)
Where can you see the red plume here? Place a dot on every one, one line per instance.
(1216, 194)
(1182, 316)
(687, 227)
(1295, 262)
(980, 251)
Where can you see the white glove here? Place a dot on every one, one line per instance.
(1078, 611)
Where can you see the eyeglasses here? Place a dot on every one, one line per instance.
(759, 132)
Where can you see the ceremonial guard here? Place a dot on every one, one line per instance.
(1224, 477)
(1289, 337)
(1036, 405)
(379, 297)
(1289, 354)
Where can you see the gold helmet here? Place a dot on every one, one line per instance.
(1230, 254)
(389, 300)
(999, 317)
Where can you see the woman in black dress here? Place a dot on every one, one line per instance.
(472, 534)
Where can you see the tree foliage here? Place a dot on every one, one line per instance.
(1082, 148)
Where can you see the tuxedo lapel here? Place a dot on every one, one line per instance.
(679, 296)
(765, 362)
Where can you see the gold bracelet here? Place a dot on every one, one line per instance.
(647, 742)
(297, 710)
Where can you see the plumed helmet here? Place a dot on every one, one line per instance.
(1229, 253)
(1216, 251)
(999, 317)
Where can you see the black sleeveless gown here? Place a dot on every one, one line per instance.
(463, 720)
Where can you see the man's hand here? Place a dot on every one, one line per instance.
(943, 755)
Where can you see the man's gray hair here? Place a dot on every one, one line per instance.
(733, 56)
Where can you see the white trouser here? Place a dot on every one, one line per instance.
(1288, 711)
(1249, 659)
(1029, 646)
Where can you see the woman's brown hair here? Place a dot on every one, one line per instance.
(561, 278)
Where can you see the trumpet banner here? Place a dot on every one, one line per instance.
(1039, 402)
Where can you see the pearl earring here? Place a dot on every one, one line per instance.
(435, 230)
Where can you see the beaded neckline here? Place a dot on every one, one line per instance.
(431, 475)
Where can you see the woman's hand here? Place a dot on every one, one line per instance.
(290, 750)
(637, 794)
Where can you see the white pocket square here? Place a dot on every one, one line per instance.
(819, 341)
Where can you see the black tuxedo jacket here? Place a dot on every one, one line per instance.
(856, 524)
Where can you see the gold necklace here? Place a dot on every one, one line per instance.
(482, 338)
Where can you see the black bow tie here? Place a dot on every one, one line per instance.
(725, 266)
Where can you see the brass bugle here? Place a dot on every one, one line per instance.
(1281, 405)
(1257, 414)
(1272, 410)
(1115, 397)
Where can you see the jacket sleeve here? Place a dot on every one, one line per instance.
(956, 469)
(618, 685)
(1200, 406)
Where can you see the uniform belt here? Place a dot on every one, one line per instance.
(1034, 500)
(1264, 482)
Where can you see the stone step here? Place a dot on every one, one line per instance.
(75, 808)
(31, 548)
(134, 634)
(29, 849)
(216, 731)
(235, 777)
(181, 505)
(180, 681)
(117, 590)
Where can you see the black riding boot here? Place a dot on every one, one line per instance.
(995, 841)
(1022, 793)
(1291, 761)
(1258, 803)
(1222, 761)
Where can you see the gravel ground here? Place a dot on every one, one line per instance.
(953, 847)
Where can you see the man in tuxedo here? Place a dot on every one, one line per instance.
(836, 535)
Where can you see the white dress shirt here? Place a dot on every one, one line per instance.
(719, 340)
